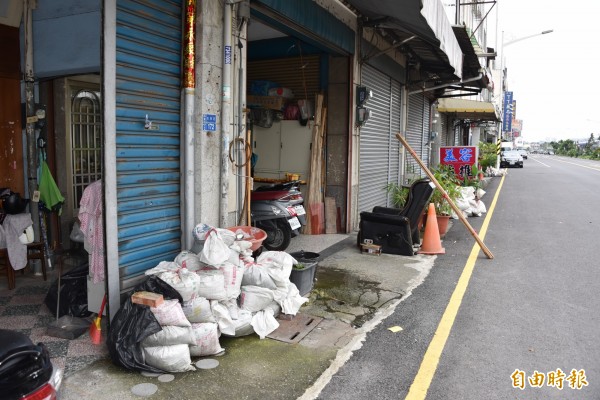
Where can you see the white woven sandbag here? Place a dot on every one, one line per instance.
(275, 307)
(170, 335)
(184, 281)
(242, 246)
(232, 276)
(207, 340)
(224, 320)
(197, 310)
(215, 250)
(189, 260)
(170, 313)
(467, 192)
(263, 322)
(255, 298)
(232, 307)
(163, 266)
(478, 207)
(174, 358)
(289, 299)
(257, 275)
(211, 284)
(279, 266)
(227, 236)
(242, 326)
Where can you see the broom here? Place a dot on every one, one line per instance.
(95, 327)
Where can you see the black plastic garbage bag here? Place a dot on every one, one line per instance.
(73, 293)
(133, 323)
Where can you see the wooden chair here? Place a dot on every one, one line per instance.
(35, 251)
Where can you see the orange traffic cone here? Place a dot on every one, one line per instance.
(431, 238)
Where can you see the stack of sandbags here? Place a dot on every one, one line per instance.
(226, 291)
(469, 201)
(169, 349)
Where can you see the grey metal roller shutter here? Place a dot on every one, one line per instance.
(148, 70)
(414, 133)
(379, 148)
(425, 148)
(395, 148)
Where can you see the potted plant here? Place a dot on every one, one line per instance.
(398, 194)
(487, 156)
(304, 271)
(474, 180)
(447, 179)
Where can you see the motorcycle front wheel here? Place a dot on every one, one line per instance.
(279, 235)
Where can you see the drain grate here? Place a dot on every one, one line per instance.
(294, 330)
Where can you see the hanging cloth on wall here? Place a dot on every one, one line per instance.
(49, 192)
(90, 217)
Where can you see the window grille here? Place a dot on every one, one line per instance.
(86, 141)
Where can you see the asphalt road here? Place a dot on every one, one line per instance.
(534, 309)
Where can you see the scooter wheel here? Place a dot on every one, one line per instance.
(279, 236)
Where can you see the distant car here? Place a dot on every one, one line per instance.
(511, 158)
(523, 153)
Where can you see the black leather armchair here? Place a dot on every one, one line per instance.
(395, 229)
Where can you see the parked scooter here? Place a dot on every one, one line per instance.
(278, 210)
(26, 371)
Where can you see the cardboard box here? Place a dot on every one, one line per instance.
(370, 248)
(271, 102)
(147, 299)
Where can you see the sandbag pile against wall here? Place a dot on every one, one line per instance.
(169, 349)
(223, 290)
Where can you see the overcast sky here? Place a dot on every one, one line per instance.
(553, 77)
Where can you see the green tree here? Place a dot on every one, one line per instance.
(565, 147)
(589, 146)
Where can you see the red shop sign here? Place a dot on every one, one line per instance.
(461, 158)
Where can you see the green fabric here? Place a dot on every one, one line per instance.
(49, 193)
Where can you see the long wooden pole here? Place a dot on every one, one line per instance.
(458, 212)
(249, 178)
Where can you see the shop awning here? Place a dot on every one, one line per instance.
(469, 109)
(472, 51)
(435, 44)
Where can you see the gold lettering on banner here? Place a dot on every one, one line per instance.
(189, 71)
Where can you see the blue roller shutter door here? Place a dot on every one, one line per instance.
(148, 82)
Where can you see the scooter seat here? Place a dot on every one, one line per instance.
(270, 195)
(11, 341)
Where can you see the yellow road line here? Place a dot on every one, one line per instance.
(422, 381)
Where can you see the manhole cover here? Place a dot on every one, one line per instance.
(166, 378)
(294, 330)
(144, 389)
(208, 363)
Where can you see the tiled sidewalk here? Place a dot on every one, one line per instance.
(23, 309)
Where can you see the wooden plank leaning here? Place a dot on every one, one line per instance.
(458, 212)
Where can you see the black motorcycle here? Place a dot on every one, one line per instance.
(26, 372)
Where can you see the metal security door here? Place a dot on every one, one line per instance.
(148, 82)
(425, 143)
(379, 149)
(414, 134)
